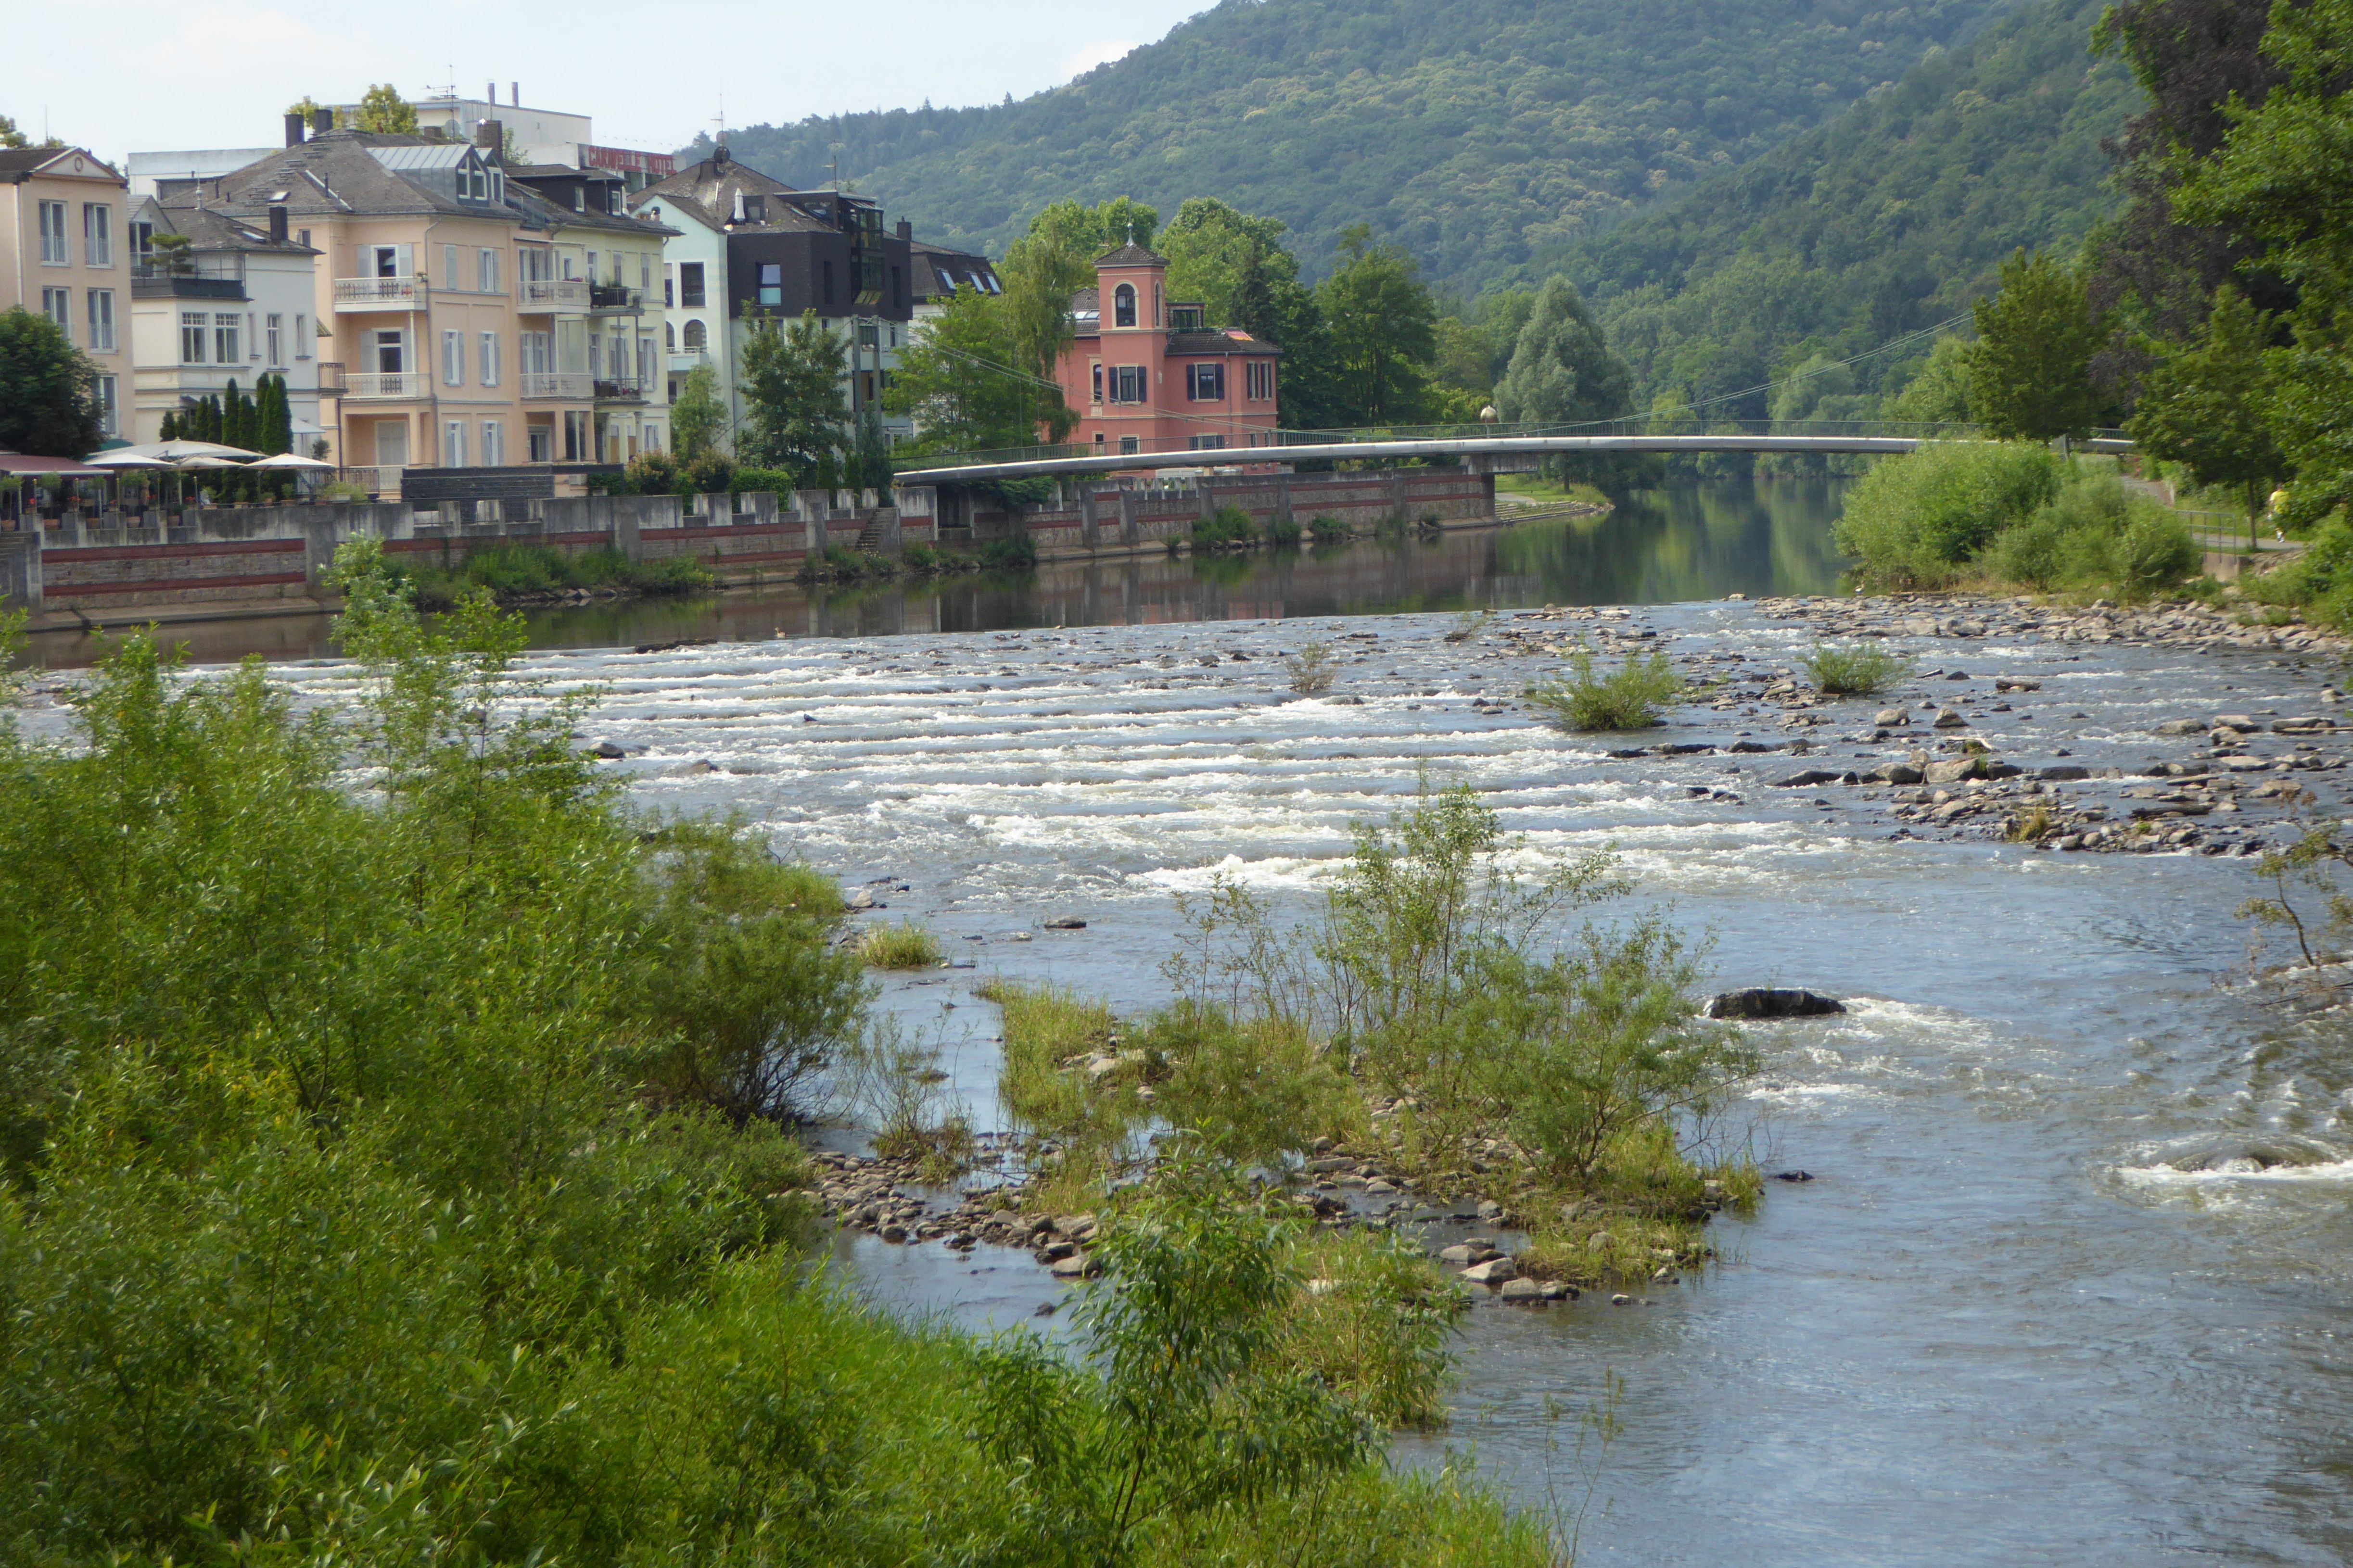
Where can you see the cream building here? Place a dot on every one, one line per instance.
(63, 252)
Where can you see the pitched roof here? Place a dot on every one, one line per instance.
(347, 172)
(939, 271)
(1131, 254)
(208, 228)
(709, 189)
(1232, 341)
(18, 164)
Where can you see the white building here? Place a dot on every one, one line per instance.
(239, 301)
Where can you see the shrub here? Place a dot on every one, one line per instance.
(2318, 579)
(651, 474)
(2095, 532)
(900, 945)
(1327, 529)
(710, 473)
(1229, 528)
(513, 571)
(1859, 671)
(1632, 697)
(1016, 552)
(922, 558)
(778, 481)
(1282, 533)
(1247, 1090)
(1914, 520)
(1313, 670)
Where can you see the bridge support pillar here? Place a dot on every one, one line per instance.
(1397, 493)
(1090, 523)
(1131, 528)
(1282, 498)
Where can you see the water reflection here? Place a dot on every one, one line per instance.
(1692, 540)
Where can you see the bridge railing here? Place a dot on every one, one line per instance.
(1653, 425)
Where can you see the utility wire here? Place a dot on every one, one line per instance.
(1888, 347)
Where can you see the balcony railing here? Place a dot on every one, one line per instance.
(619, 389)
(541, 295)
(569, 386)
(614, 297)
(378, 293)
(379, 385)
(196, 263)
(332, 379)
(381, 480)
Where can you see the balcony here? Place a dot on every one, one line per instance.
(379, 294)
(539, 296)
(384, 385)
(615, 297)
(204, 277)
(332, 379)
(557, 385)
(619, 389)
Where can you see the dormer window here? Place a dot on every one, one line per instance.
(1185, 318)
(579, 199)
(1123, 306)
(473, 181)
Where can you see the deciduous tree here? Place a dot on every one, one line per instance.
(792, 384)
(2030, 372)
(1381, 324)
(1561, 371)
(384, 110)
(697, 419)
(2206, 404)
(48, 390)
(964, 380)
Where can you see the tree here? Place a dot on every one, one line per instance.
(1232, 262)
(2029, 373)
(1040, 272)
(963, 380)
(1561, 371)
(1381, 324)
(792, 382)
(697, 419)
(48, 390)
(309, 107)
(2205, 405)
(1093, 230)
(12, 137)
(385, 110)
(1938, 393)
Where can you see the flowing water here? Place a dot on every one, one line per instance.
(2070, 1282)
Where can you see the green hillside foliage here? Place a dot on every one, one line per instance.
(1479, 135)
(1887, 221)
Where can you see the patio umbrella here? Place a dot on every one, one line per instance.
(124, 458)
(202, 460)
(172, 451)
(289, 460)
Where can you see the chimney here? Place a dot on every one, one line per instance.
(489, 135)
(278, 224)
(514, 92)
(294, 129)
(739, 204)
(718, 156)
(322, 122)
(906, 228)
(491, 92)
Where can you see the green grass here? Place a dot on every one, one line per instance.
(901, 945)
(1545, 487)
(1632, 697)
(1861, 670)
(515, 571)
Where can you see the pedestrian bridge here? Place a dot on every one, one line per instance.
(1483, 448)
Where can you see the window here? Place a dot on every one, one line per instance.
(1098, 381)
(453, 444)
(301, 338)
(142, 242)
(645, 274)
(101, 321)
(108, 419)
(488, 372)
(494, 445)
(771, 282)
(697, 342)
(576, 447)
(538, 353)
(1205, 444)
(1124, 306)
(670, 336)
(1126, 446)
(1205, 383)
(669, 292)
(192, 337)
(644, 364)
(385, 259)
(56, 304)
(486, 272)
(653, 438)
(53, 235)
(226, 338)
(592, 267)
(1127, 383)
(391, 357)
(273, 334)
(539, 443)
(1258, 380)
(302, 237)
(1185, 318)
(453, 359)
(449, 266)
(689, 284)
(870, 336)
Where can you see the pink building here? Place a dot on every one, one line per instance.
(1146, 376)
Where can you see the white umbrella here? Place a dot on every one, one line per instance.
(124, 458)
(289, 460)
(172, 451)
(199, 460)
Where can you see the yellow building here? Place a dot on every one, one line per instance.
(63, 214)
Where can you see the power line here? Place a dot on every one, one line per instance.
(1888, 347)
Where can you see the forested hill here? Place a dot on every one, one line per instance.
(1891, 217)
(1479, 133)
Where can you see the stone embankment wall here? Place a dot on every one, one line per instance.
(103, 564)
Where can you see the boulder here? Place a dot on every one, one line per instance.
(1890, 717)
(1077, 1267)
(1812, 776)
(2065, 773)
(1773, 1001)
(1897, 773)
(1066, 922)
(1954, 772)
(606, 751)
(1947, 719)
(1524, 1292)
(1495, 1271)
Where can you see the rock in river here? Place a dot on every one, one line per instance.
(1773, 1001)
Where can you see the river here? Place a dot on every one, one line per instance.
(2029, 1309)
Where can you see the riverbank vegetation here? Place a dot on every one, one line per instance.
(526, 574)
(394, 1163)
(1440, 1020)
(2011, 515)
(899, 945)
(1859, 670)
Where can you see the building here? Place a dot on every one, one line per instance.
(749, 246)
(940, 272)
(457, 310)
(63, 253)
(169, 176)
(1146, 375)
(238, 301)
(533, 135)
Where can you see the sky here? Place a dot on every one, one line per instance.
(194, 73)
